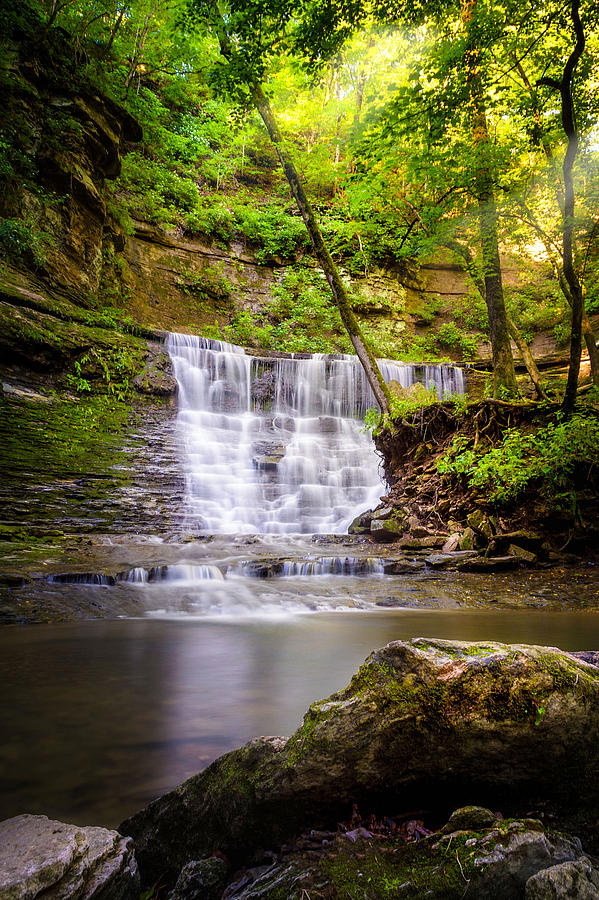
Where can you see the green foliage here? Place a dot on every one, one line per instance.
(300, 318)
(23, 241)
(158, 192)
(404, 403)
(553, 458)
(271, 230)
(105, 371)
(449, 335)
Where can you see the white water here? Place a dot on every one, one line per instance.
(278, 446)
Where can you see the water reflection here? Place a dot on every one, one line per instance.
(101, 717)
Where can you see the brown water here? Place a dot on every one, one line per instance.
(100, 717)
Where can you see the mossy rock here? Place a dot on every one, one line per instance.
(429, 720)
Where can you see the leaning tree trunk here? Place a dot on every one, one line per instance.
(363, 351)
(504, 375)
(528, 358)
(342, 301)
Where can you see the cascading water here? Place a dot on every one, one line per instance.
(277, 446)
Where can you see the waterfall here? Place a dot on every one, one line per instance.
(278, 446)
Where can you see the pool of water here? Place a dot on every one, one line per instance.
(100, 717)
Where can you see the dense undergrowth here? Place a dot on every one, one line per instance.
(523, 464)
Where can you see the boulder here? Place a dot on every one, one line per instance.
(423, 543)
(423, 721)
(361, 524)
(201, 879)
(513, 857)
(452, 543)
(480, 523)
(468, 539)
(41, 857)
(527, 556)
(387, 530)
(384, 512)
(157, 375)
(576, 880)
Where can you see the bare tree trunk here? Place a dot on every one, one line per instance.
(338, 125)
(114, 32)
(139, 47)
(528, 358)
(348, 317)
(567, 112)
(587, 328)
(504, 375)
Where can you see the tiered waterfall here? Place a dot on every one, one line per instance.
(278, 445)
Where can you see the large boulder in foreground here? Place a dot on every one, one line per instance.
(40, 857)
(426, 721)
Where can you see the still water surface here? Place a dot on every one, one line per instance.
(98, 718)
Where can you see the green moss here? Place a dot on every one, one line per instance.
(403, 870)
(304, 740)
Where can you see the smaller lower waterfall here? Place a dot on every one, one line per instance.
(278, 446)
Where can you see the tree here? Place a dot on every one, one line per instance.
(504, 376)
(564, 86)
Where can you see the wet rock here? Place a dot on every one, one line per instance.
(445, 560)
(266, 455)
(39, 856)
(525, 555)
(516, 857)
(157, 375)
(574, 880)
(468, 539)
(421, 719)
(470, 818)
(328, 424)
(202, 879)
(387, 529)
(398, 567)
(452, 543)
(263, 389)
(488, 564)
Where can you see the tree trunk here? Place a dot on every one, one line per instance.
(363, 351)
(587, 328)
(113, 33)
(531, 367)
(529, 361)
(568, 123)
(504, 375)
